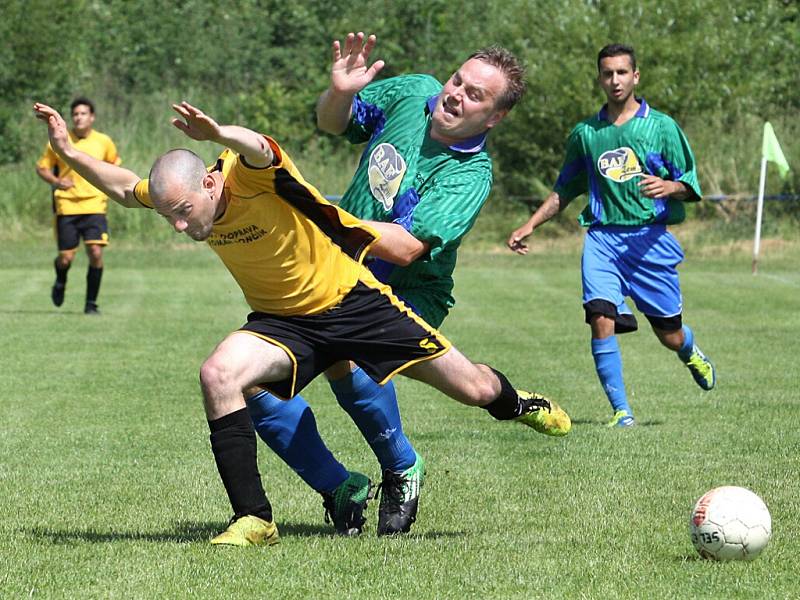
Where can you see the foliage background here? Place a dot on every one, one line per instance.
(720, 69)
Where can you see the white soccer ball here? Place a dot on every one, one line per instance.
(730, 523)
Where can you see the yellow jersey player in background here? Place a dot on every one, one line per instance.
(79, 207)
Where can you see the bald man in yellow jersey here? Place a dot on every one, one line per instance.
(298, 260)
(80, 208)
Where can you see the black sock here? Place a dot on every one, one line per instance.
(61, 273)
(233, 441)
(93, 277)
(507, 405)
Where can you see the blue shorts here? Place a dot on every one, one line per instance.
(639, 262)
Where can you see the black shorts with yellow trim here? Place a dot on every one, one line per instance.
(370, 326)
(71, 228)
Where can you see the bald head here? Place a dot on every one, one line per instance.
(175, 174)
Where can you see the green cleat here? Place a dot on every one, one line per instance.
(622, 418)
(400, 498)
(543, 415)
(344, 507)
(248, 531)
(702, 369)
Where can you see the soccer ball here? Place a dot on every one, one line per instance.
(730, 523)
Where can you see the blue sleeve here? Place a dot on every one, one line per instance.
(572, 179)
(372, 103)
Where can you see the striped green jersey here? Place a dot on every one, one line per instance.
(434, 191)
(606, 161)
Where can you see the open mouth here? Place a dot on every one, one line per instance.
(450, 110)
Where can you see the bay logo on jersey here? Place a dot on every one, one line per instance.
(386, 170)
(619, 165)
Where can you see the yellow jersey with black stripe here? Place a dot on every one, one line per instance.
(291, 251)
(82, 198)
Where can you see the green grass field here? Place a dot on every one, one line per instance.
(108, 488)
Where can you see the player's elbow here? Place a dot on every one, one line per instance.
(327, 125)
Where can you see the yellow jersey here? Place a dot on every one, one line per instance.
(82, 198)
(291, 251)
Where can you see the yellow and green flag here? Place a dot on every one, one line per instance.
(771, 150)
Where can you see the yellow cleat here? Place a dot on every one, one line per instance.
(248, 531)
(543, 415)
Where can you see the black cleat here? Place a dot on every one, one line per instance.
(91, 309)
(400, 499)
(57, 293)
(344, 507)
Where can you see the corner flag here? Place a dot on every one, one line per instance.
(771, 150)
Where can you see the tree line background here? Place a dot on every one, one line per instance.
(721, 69)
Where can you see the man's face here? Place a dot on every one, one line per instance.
(82, 118)
(617, 78)
(191, 212)
(467, 104)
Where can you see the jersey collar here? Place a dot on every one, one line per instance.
(642, 113)
(469, 146)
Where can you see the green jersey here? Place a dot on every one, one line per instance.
(606, 161)
(434, 191)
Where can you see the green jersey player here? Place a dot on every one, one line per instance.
(423, 177)
(637, 169)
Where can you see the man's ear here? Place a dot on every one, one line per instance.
(496, 118)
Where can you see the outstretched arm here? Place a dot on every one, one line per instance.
(117, 183)
(552, 205)
(349, 74)
(246, 142)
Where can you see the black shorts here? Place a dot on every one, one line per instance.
(371, 327)
(71, 228)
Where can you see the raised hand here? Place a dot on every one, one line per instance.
(56, 126)
(196, 124)
(350, 70)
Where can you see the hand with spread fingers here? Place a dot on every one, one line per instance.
(350, 70)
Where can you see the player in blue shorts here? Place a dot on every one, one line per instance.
(637, 168)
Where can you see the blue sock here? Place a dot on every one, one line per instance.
(688, 344)
(290, 430)
(608, 362)
(374, 410)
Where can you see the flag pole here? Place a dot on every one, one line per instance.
(759, 211)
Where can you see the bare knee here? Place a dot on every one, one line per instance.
(65, 258)
(216, 379)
